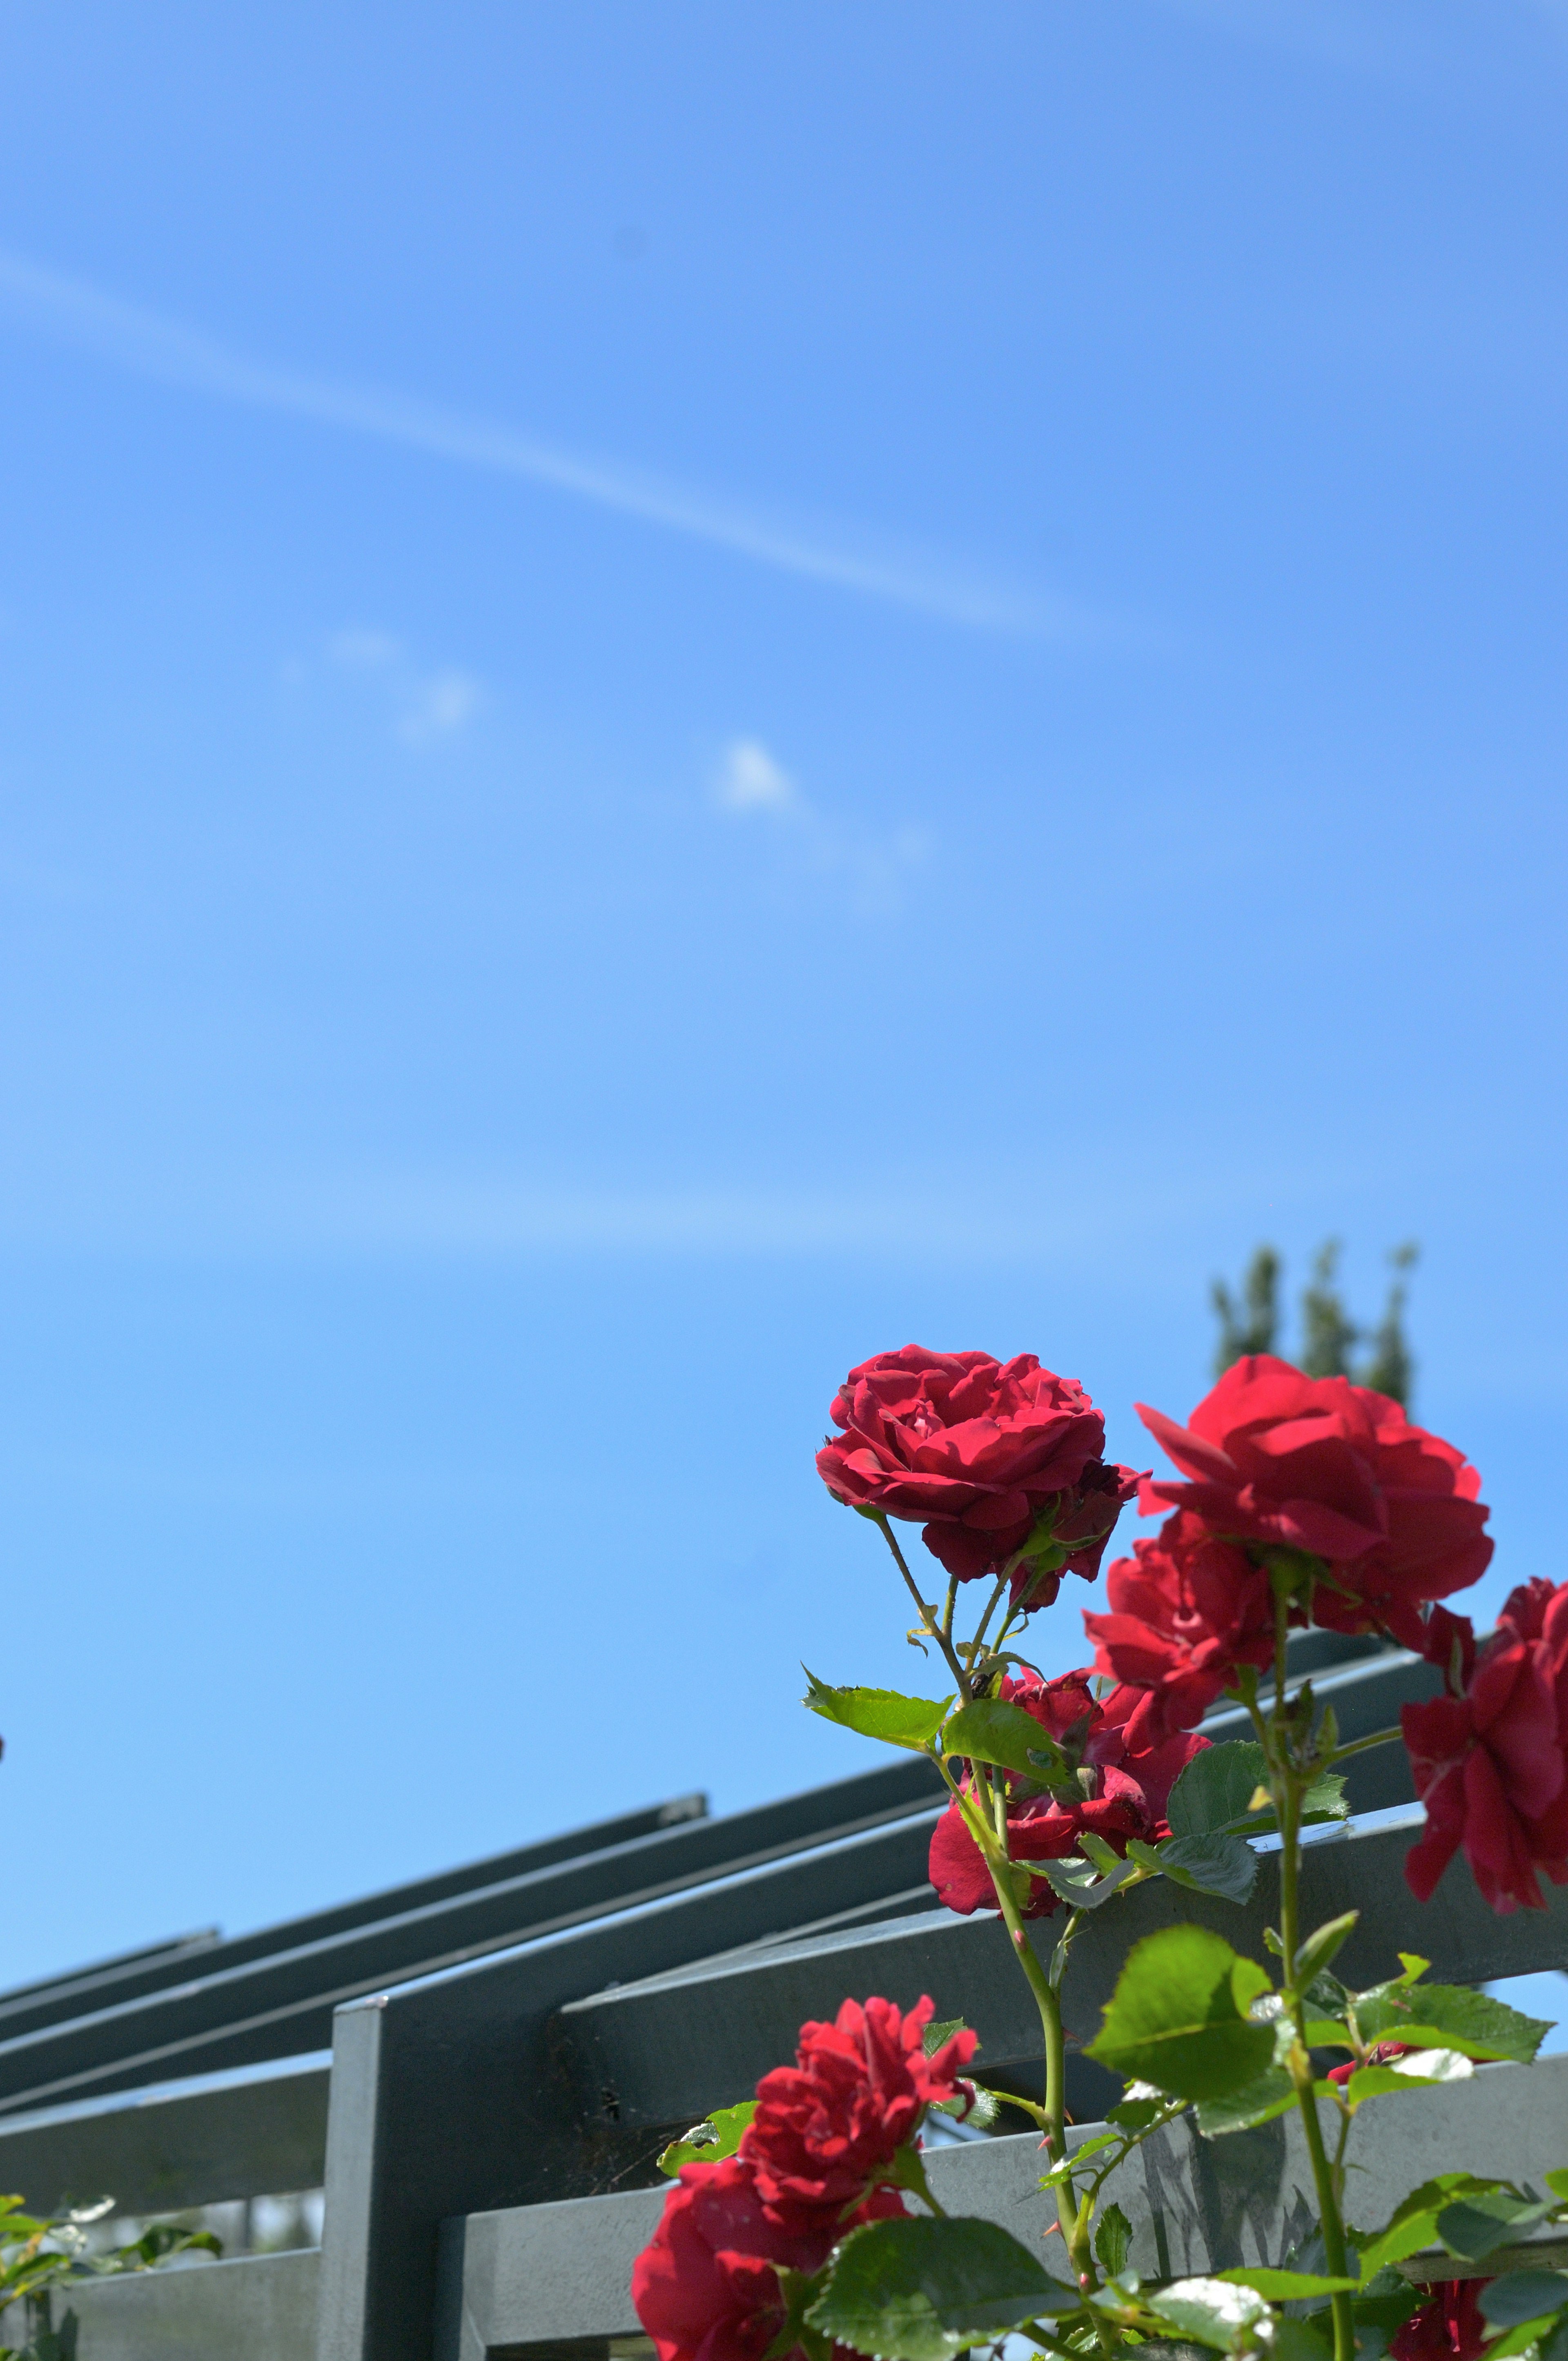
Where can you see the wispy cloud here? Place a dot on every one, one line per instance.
(153, 347)
(427, 705)
(751, 783)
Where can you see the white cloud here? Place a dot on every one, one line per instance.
(424, 705)
(750, 780)
(152, 347)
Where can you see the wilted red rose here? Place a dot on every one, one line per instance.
(1487, 1760)
(706, 2288)
(1186, 1611)
(828, 2127)
(1281, 1461)
(1448, 2327)
(977, 1451)
(1123, 1790)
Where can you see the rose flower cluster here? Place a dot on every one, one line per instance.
(1313, 1488)
(822, 2152)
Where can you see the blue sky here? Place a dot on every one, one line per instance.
(684, 693)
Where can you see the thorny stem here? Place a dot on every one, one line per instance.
(1290, 1784)
(927, 1614)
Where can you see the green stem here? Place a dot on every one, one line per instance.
(1290, 1785)
(1075, 2233)
(1364, 1745)
(929, 1622)
(948, 1604)
(980, 1627)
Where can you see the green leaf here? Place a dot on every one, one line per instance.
(1212, 2311)
(1321, 1947)
(718, 2135)
(1255, 2102)
(1447, 2016)
(933, 2038)
(1213, 1795)
(1226, 1865)
(1286, 2287)
(990, 1732)
(1178, 2017)
(1112, 2238)
(1420, 2071)
(1550, 2342)
(1213, 1792)
(1523, 2295)
(1413, 2224)
(1079, 1883)
(923, 2289)
(1474, 2226)
(878, 1713)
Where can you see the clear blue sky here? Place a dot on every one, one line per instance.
(684, 692)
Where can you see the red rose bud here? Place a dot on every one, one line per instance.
(830, 2127)
(1488, 1763)
(1185, 1612)
(977, 1451)
(1334, 1472)
(1382, 2053)
(1120, 1787)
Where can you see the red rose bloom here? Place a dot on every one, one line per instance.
(1122, 1786)
(1487, 1760)
(1281, 1461)
(1537, 1612)
(977, 1451)
(828, 2127)
(1186, 1610)
(1448, 2327)
(706, 2289)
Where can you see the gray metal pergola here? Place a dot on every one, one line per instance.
(510, 2044)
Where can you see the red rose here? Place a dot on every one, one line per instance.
(1487, 1760)
(977, 1451)
(1448, 2327)
(706, 2289)
(828, 2127)
(1282, 1461)
(1124, 1788)
(1186, 1611)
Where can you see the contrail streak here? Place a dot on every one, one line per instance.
(165, 349)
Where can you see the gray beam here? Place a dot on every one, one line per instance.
(163, 1966)
(544, 2275)
(281, 2005)
(632, 2059)
(256, 2308)
(446, 2096)
(157, 2151)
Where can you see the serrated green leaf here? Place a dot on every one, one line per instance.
(1220, 1864)
(1413, 2223)
(1178, 2017)
(979, 2111)
(1476, 2225)
(1079, 1883)
(718, 2135)
(1447, 2016)
(1255, 2103)
(923, 2289)
(1523, 2295)
(1215, 1789)
(1113, 2239)
(878, 1713)
(933, 2038)
(1550, 2341)
(1286, 2287)
(1420, 2071)
(992, 1731)
(1212, 2311)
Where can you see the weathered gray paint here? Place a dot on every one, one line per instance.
(256, 2308)
(160, 2150)
(560, 2274)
